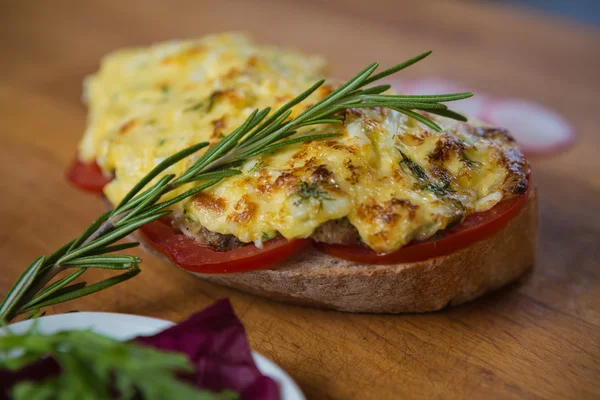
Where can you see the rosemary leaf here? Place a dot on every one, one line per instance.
(293, 141)
(286, 108)
(399, 67)
(53, 288)
(153, 195)
(110, 249)
(352, 84)
(448, 114)
(116, 267)
(424, 120)
(215, 175)
(96, 287)
(419, 98)
(322, 121)
(89, 230)
(113, 236)
(373, 90)
(184, 195)
(104, 259)
(50, 260)
(400, 104)
(18, 289)
(267, 131)
(166, 163)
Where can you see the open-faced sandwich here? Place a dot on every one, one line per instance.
(395, 211)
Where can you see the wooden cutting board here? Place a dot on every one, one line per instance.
(539, 338)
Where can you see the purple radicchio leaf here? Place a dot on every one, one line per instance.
(215, 341)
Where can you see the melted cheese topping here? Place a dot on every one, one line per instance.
(393, 179)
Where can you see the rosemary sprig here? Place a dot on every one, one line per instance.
(262, 132)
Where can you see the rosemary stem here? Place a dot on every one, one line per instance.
(217, 163)
(35, 288)
(103, 229)
(258, 134)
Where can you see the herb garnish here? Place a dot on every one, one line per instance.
(414, 168)
(307, 192)
(258, 166)
(93, 366)
(266, 236)
(211, 100)
(194, 107)
(442, 233)
(187, 216)
(424, 181)
(470, 163)
(262, 132)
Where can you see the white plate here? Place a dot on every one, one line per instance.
(125, 327)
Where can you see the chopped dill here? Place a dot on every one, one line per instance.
(258, 166)
(211, 101)
(161, 142)
(194, 107)
(463, 155)
(436, 236)
(266, 236)
(424, 181)
(187, 217)
(418, 172)
(470, 163)
(442, 233)
(440, 190)
(165, 89)
(307, 192)
(456, 221)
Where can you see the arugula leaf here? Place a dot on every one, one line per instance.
(93, 366)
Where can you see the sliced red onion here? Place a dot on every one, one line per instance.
(537, 129)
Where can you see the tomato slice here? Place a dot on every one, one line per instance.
(188, 254)
(87, 176)
(184, 251)
(475, 227)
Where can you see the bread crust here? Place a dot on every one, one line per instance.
(314, 279)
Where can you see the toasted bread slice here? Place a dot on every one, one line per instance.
(315, 279)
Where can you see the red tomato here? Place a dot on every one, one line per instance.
(87, 176)
(184, 251)
(475, 227)
(188, 254)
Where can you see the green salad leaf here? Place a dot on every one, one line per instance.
(98, 367)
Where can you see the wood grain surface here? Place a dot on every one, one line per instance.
(539, 338)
